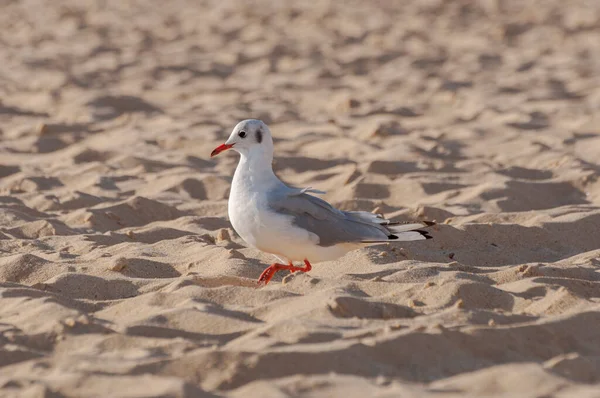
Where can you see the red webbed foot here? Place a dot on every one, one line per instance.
(270, 271)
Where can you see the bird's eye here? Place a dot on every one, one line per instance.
(242, 134)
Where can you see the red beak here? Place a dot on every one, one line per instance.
(219, 149)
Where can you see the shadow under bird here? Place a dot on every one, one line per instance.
(290, 223)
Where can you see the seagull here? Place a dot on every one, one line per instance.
(289, 222)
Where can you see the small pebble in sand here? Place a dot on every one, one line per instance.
(223, 235)
(118, 264)
(451, 255)
(438, 326)
(41, 129)
(383, 129)
(529, 270)
(396, 326)
(130, 234)
(235, 254)
(459, 303)
(491, 322)
(347, 104)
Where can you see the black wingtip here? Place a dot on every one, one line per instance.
(392, 236)
(392, 223)
(424, 233)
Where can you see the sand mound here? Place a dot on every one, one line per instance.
(130, 213)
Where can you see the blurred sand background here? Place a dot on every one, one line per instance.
(120, 273)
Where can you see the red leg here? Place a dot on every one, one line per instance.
(308, 266)
(270, 271)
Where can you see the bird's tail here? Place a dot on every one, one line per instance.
(402, 232)
(417, 234)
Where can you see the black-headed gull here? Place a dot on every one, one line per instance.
(289, 222)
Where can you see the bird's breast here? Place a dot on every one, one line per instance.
(249, 208)
(245, 208)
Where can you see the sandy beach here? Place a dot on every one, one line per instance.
(121, 276)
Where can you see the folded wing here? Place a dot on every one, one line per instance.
(334, 226)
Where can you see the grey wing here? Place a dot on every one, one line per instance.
(331, 225)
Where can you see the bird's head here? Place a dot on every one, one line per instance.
(248, 136)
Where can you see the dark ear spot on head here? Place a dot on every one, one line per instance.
(259, 136)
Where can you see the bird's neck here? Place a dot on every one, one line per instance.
(255, 169)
